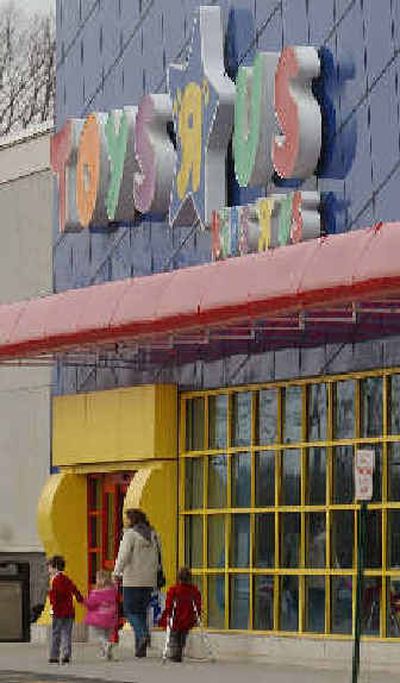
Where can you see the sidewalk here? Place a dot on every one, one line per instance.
(27, 657)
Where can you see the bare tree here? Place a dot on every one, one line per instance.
(27, 69)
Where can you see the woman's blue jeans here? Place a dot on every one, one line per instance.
(136, 603)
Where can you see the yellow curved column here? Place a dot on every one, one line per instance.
(154, 489)
(62, 526)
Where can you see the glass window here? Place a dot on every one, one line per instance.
(95, 493)
(290, 485)
(216, 541)
(194, 541)
(265, 478)
(240, 601)
(394, 420)
(195, 424)
(315, 604)
(377, 478)
(241, 480)
(292, 412)
(240, 541)
(317, 412)
(290, 539)
(218, 411)
(343, 474)
(341, 604)
(393, 607)
(268, 416)
(315, 539)
(371, 605)
(373, 546)
(241, 419)
(95, 531)
(217, 481)
(264, 541)
(109, 518)
(289, 603)
(216, 601)
(316, 476)
(342, 538)
(344, 393)
(393, 540)
(193, 483)
(94, 562)
(394, 471)
(263, 617)
(371, 406)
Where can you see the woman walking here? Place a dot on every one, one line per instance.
(138, 563)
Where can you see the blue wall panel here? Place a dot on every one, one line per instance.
(127, 48)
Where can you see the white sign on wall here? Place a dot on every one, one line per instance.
(364, 474)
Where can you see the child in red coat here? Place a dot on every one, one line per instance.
(61, 595)
(182, 612)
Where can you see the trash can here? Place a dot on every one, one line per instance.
(14, 602)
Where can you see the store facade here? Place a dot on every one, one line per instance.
(227, 398)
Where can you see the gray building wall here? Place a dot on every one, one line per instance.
(26, 188)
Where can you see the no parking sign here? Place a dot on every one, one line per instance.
(364, 473)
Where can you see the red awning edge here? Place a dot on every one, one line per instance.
(330, 271)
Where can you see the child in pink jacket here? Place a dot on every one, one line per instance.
(102, 613)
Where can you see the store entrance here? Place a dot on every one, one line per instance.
(106, 493)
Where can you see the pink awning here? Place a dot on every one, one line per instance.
(319, 275)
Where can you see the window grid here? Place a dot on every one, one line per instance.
(303, 509)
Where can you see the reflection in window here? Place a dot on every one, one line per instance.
(241, 419)
(216, 601)
(265, 478)
(344, 409)
(343, 474)
(341, 604)
(315, 539)
(394, 420)
(95, 491)
(240, 601)
(241, 489)
(217, 481)
(292, 411)
(95, 531)
(317, 411)
(342, 538)
(240, 541)
(315, 604)
(377, 478)
(316, 471)
(394, 472)
(218, 410)
(290, 488)
(371, 406)
(370, 606)
(194, 483)
(268, 416)
(373, 546)
(393, 541)
(263, 617)
(290, 539)
(289, 607)
(216, 541)
(393, 607)
(195, 424)
(264, 541)
(194, 541)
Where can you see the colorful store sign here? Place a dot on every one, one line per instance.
(112, 166)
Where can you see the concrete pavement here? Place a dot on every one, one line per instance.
(28, 657)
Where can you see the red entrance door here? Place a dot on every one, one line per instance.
(106, 493)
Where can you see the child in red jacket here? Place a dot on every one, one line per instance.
(61, 594)
(182, 612)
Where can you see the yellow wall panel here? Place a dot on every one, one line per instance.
(131, 424)
(62, 526)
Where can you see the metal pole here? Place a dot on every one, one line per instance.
(361, 518)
